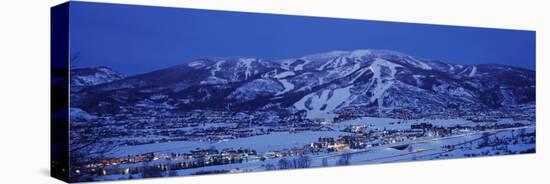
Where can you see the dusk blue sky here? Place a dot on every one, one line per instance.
(139, 39)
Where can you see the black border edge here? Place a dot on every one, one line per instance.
(59, 91)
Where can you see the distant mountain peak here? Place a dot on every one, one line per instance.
(375, 82)
(354, 53)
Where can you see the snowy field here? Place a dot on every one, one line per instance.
(283, 140)
(262, 143)
(429, 149)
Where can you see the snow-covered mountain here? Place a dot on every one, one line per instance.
(376, 82)
(93, 76)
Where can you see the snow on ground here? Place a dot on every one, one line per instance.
(284, 74)
(358, 75)
(322, 104)
(433, 150)
(288, 86)
(300, 66)
(262, 143)
(473, 72)
(196, 64)
(426, 149)
(334, 63)
(283, 140)
(214, 80)
(217, 67)
(247, 64)
(285, 64)
(382, 83)
(422, 149)
(419, 64)
(344, 70)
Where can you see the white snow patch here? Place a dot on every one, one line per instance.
(334, 63)
(325, 55)
(472, 72)
(247, 64)
(322, 104)
(195, 64)
(285, 64)
(382, 83)
(451, 67)
(217, 67)
(300, 66)
(214, 80)
(421, 64)
(288, 86)
(361, 72)
(262, 143)
(284, 74)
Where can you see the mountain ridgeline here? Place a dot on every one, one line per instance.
(369, 82)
